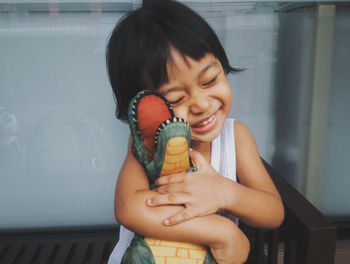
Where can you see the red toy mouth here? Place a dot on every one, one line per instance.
(152, 110)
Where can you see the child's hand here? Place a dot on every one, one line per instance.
(201, 192)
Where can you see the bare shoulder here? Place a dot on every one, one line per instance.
(246, 148)
(250, 169)
(243, 136)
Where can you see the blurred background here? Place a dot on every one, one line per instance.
(61, 146)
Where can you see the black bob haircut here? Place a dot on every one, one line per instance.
(138, 49)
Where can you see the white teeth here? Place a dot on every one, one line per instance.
(205, 122)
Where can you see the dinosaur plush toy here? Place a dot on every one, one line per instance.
(160, 142)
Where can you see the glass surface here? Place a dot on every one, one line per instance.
(334, 201)
(61, 146)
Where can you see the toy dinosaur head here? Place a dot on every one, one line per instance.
(151, 111)
(153, 125)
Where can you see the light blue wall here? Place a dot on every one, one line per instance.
(335, 201)
(61, 146)
(292, 107)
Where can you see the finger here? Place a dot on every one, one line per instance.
(170, 188)
(168, 199)
(169, 179)
(182, 216)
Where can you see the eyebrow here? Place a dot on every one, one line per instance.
(175, 88)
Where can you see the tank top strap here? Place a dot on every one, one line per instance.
(223, 151)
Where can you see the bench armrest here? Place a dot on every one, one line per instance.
(308, 237)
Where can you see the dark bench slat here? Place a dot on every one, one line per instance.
(290, 251)
(37, 253)
(54, 253)
(273, 247)
(45, 253)
(80, 252)
(4, 248)
(62, 253)
(109, 245)
(28, 253)
(19, 254)
(97, 252)
(10, 253)
(58, 247)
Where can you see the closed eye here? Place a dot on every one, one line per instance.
(176, 102)
(210, 82)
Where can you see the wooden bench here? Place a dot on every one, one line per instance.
(306, 236)
(58, 246)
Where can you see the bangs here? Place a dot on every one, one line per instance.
(190, 35)
(156, 70)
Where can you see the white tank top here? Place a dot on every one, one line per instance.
(223, 160)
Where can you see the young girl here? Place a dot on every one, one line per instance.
(166, 47)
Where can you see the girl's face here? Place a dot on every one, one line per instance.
(200, 93)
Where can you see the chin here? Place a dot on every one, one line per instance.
(207, 137)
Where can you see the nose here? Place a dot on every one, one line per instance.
(199, 103)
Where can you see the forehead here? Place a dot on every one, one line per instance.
(178, 64)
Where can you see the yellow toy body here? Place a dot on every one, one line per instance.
(168, 252)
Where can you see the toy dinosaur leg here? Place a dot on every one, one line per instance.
(138, 252)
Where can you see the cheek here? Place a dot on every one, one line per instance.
(225, 95)
(229, 97)
(181, 112)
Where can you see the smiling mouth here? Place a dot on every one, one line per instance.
(205, 122)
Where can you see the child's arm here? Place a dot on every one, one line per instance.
(223, 237)
(254, 199)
